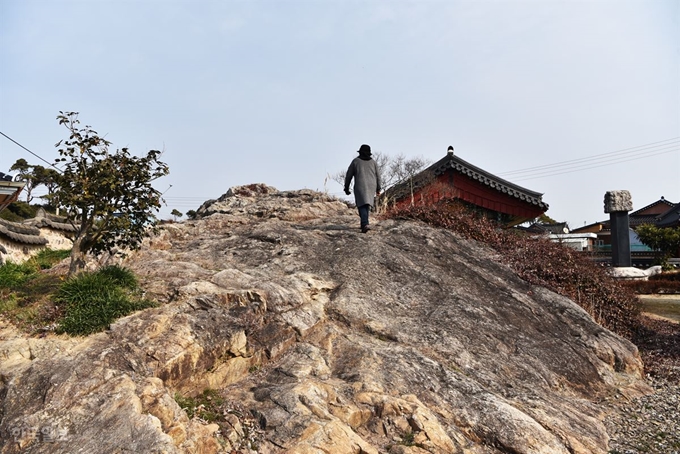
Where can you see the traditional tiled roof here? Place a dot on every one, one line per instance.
(661, 201)
(557, 228)
(670, 218)
(667, 218)
(21, 233)
(456, 164)
(634, 221)
(594, 226)
(45, 219)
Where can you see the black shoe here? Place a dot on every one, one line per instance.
(365, 228)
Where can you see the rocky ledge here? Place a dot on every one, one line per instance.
(407, 339)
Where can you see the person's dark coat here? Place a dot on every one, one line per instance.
(364, 171)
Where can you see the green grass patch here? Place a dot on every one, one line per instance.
(408, 439)
(14, 276)
(92, 301)
(121, 276)
(19, 314)
(84, 304)
(25, 291)
(30, 308)
(210, 406)
(47, 258)
(206, 405)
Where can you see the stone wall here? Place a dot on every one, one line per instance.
(20, 252)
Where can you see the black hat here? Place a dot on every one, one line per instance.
(365, 150)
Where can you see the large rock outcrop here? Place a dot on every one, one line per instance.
(408, 339)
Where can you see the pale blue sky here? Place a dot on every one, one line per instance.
(284, 92)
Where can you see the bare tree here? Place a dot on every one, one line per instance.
(393, 170)
(403, 170)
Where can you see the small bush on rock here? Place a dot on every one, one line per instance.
(120, 275)
(540, 262)
(239, 428)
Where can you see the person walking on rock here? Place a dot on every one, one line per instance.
(366, 183)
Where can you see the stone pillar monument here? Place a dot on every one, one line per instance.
(618, 204)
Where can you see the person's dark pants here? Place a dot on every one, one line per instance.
(363, 214)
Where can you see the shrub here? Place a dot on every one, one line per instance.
(14, 276)
(672, 276)
(210, 406)
(667, 282)
(654, 286)
(121, 276)
(47, 258)
(23, 210)
(9, 216)
(540, 262)
(205, 406)
(92, 301)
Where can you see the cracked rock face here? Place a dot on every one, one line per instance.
(407, 339)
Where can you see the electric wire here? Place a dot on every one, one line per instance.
(640, 151)
(588, 167)
(531, 173)
(641, 148)
(34, 154)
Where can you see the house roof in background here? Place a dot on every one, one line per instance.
(21, 233)
(556, 228)
(649, 209)
(645, 215)
(639, 220)
(670, 218)
(9, 192)
(451, 162)
(45, 219)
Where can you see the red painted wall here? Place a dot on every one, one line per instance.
(462, 187)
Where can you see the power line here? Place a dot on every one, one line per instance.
(641, 150)
(34, 154)
(589, 166)
(594, 164)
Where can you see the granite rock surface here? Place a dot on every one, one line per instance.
(407, 339)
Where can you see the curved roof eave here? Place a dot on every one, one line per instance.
(459, 165)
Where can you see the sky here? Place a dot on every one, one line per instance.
(584, 94)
